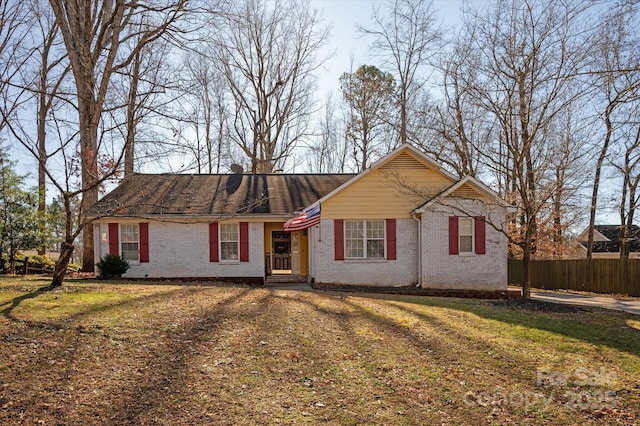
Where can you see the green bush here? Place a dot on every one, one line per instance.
(43, 261)
(111, 266)
(73, 267)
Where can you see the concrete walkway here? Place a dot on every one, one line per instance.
(630, 306)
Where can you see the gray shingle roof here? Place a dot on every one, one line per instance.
(612, 232)
(211, 195)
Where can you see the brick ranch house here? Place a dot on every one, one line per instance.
(403, 222)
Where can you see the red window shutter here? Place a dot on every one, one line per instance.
(391, 239)
(338, 238)
(244, 242)
(144, 242)
(453, 235)
(214, 255)
(114, 242)
(480, 229)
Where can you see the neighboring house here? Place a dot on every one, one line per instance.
(404, 221)
(606, 242)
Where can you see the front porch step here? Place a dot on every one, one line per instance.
(286, 279)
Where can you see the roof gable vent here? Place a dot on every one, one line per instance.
(403, 160)
(466, 191)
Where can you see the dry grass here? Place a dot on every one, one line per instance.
(95, 353)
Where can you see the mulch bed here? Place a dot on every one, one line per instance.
(540, 306)
(417, 291)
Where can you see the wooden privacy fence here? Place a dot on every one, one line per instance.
(25, 266)
(602, 276)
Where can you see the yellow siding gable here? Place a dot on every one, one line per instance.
(467, 191)
(384, 192)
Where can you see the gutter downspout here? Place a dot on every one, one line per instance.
(417, 219)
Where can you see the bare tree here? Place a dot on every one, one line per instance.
(31, 76)
(329, 154)
(137, 99)
(67, 181)
(268, 54)
(618, 80)
(406, 37)
(456, 128)
(525, 56)
(204, 108)
(101, 38)
(15, 24)
(628, 166)
(47, 87)
(369, 94)
(566, 135)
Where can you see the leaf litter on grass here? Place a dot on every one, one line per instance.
(236, 355)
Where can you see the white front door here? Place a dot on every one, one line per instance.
(295, 253)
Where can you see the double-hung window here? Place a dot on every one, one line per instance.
(229, 242)
(364, 239)
(130, 242)
(465, 234)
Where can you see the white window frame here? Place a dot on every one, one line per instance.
(470, 234)
(364, 239)
(223, 240)
(123, 241)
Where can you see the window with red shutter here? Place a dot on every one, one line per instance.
(114, 241)
(244, 242)
(391, 239)
(474, 230)
(453, 235)
(214, 255)
(144, 242)
(338, 238)
(480, 237)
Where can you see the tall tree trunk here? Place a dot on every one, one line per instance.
(89, 119)
(60, 269)
(42, 182)
(526, 269)
(66, 248)
(403, 117)
(596, 180)
(132, 122)
(44, 105)
(557, 216)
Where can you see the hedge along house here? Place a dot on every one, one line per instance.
(404, 221)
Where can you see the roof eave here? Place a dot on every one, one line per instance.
(477, 185)
(190, 218)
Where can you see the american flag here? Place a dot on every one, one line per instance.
(305, 220)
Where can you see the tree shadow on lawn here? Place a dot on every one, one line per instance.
(67, 360)
(368, 361)
(437, 341)
(12, 304)
(161, 387)
(596, 326)
(163, 391)
(440, 335)
(160, 393)
(91, 309)
(454, 358)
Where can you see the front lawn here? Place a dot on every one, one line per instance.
(121, 353)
